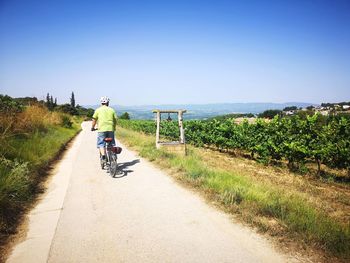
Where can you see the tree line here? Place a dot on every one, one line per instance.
(8, 103)
(70, 108)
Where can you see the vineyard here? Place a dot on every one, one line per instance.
(295, 140)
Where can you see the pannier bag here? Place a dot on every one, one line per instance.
(116, 149)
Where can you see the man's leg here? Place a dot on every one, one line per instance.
(100, 144)
(103, 152)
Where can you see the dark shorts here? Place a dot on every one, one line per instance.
(102, 135)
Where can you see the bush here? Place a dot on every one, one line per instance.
(67, 108)
(15, 183)
(289, 108)
(15, 187)
(27, 101)
(88, 112)
(66, 121)
(269, 114)
(125, 116)
(9, 106)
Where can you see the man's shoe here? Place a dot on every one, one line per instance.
(103, 161)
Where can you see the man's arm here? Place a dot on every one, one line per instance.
(115, 119)
(93, 124)
(94, 119)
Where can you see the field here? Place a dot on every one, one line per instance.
(294, 140)
(287, 201)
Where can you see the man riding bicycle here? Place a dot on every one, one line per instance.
(106, 118)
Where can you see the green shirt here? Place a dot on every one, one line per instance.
(106, 118)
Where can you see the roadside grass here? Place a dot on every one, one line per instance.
(27, 150)
(39, 148)
(21, 170)
(272, 209)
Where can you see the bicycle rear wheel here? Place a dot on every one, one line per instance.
(113, 164)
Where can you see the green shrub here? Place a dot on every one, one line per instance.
(15, 188)
(125, 116)
(15, 182)
(9, 105)
(66, 121)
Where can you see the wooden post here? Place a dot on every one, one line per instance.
(158, 129)
(179, 146)
(182, 132)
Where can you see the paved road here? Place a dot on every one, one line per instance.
(144, 216)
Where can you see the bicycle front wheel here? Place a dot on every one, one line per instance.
(102, 162)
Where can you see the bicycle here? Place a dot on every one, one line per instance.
(111, 160)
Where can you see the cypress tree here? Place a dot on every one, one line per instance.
(72, 100)
(48, 100)
(52, 105)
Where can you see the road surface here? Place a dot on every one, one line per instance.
(143, 216)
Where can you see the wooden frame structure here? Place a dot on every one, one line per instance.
(174, 146)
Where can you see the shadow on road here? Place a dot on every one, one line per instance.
(123, 168)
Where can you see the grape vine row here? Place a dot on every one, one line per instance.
(293, 139)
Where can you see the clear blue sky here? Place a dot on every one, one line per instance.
(161, 52)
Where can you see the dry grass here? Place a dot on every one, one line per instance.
(332, 198)
(33, 118)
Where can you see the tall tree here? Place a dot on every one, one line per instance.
(47, 99)
(72, 100)
(52, 105)
(55, 102)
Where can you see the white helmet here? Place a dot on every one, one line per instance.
(104, 100)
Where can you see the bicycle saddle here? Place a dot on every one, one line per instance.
(108, 139)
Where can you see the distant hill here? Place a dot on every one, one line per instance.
(203, 111)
